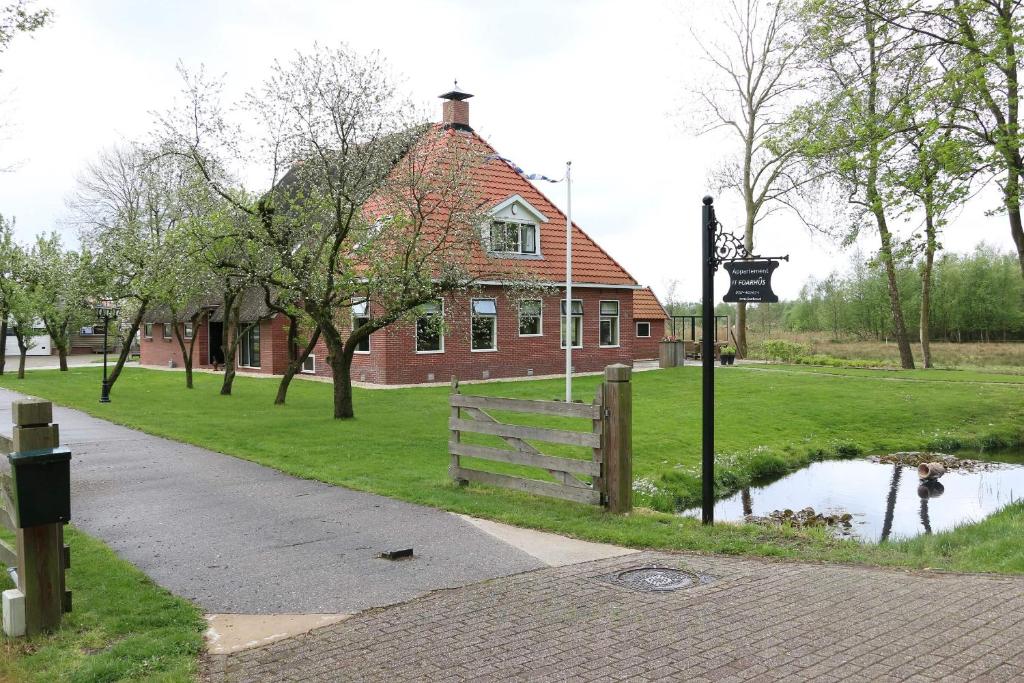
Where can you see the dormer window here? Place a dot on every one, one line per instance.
(513, 238)
(514, 229)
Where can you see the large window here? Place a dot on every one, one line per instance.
(484, 325)
(360, 317)
(609, 323)
(167, 330)
(249, 348)
(513, 238)
(189, 330)
(576, 324)
(531, 318)
(429, 334)
(643, 329)
(147, 330)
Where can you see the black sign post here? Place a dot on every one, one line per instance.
(707, 356)
(751, 281)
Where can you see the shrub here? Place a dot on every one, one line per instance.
(783, 350)
(766, 466)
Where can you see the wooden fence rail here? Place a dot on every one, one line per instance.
(610, 415)
(34, 505)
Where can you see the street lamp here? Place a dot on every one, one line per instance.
(106, 310)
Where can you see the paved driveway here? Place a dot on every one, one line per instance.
(236, 537)
(757, 620)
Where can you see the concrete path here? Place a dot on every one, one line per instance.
(236, 537)
(755, 620)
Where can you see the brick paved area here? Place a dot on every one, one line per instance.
(758, 620)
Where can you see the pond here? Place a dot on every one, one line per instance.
(887, 501)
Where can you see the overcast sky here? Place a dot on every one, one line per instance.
(600, 83)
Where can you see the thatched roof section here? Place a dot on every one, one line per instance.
(253, 308)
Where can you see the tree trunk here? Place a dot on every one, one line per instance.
(741, 330)
(62, 354)
(1013, 211)
(342, 370)
(186, 353)
(230, 344)
(22, 351)
(895, 305)
(339, 357)
(926, 289)
(878, 208)
(295, 360)
(126, 348)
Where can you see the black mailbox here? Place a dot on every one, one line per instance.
(42, 486)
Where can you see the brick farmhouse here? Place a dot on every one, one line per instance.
(487, 332)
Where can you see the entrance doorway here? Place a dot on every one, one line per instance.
(216, 343)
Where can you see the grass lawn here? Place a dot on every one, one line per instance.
(122, 627)
(769, 421)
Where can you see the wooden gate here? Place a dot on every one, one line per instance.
(609, 441)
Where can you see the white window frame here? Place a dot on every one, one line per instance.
(416, 335)
(249, 331)
(188, 329)
(643, 322)
(362, 311)
(520, 226)
(575, 317)
(168, 331)
(601, 317)
(310, 371)
(540, 318)
(494, 324)
(147, 330)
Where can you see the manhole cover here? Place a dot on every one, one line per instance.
(657, 579)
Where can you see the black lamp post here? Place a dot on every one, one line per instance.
(106, 310)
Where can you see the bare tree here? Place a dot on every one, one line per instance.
(126, 206)
(762, 80)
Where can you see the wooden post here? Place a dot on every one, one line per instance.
(40, 548)
(618, 437)
(454, 436)
(598, 452)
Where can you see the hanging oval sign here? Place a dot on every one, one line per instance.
(751, 281)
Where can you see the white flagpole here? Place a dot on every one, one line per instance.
(568, 283)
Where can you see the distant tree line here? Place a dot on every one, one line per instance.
(975, 297)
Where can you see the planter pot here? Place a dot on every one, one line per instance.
(666, 354)
(670, 354)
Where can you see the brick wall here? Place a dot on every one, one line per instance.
(646, 348)
(393, 358)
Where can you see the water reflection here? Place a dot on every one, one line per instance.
(887, 502)
(890, 502)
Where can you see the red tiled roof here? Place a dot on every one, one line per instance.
(590, 263)
(496, 181)
(646, 305)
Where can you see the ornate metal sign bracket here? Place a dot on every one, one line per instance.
(728, 247)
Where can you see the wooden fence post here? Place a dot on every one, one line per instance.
(618, 437)
(454, 436)
(40, 547)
